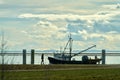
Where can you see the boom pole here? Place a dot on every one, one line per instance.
(84, 50)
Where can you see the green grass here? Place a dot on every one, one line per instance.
(80, 74)
(89, 72)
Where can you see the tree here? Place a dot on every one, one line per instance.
(2, 47)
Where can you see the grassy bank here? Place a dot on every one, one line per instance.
(63, 72)
(65, 66)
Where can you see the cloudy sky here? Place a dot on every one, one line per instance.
(46, 24)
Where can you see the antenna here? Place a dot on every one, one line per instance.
(69, 36)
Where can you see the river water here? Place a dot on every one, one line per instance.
(17, 58)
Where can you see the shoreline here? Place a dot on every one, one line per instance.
(57, 67)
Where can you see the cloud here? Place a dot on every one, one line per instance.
(42, 24)
(47, 34)
(99, 28)
(46, 30)
(112, 6)
(51, 17)
(100, 21)
(103, 15)
(1, 1)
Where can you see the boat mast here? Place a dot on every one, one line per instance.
(70, 47)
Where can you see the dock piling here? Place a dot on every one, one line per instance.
(32, 56)
(103, 56)
(24, 56)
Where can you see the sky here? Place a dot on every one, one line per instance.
(46, 24)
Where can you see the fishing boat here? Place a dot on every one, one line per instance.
(63, 58)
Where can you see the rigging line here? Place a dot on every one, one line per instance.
(66, 45)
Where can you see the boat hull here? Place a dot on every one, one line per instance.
(58, 61)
